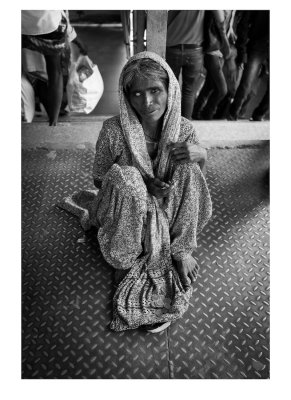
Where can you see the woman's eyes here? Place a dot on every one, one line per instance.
(153, 91)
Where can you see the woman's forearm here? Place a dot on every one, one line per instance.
(202, 165)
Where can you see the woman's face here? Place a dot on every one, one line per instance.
(149, 97)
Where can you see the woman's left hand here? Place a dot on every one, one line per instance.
(187, 152)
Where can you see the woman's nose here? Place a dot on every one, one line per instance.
(148, 99)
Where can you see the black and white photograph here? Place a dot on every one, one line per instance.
(145, 194)
(140, 251)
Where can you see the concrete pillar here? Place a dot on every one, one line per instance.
(124, 14)
(157, 31)
(139, 26)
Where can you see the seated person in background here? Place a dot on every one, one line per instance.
(153, 198)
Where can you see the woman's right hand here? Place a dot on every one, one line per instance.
(158, 188)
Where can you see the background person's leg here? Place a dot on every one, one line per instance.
(203, 96)
(249, 77)
(27, 99)
(192, 69)
(41, 89)
(214, 65)
(174, 59)
(223, 107)
(55, 87)
(263, 107)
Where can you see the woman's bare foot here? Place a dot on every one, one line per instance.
(187, 270)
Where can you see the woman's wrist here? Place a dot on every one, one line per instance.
(202, 162)
(203, 155)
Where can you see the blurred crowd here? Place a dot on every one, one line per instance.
(221, 57)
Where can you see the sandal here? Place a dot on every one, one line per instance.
(159, 327)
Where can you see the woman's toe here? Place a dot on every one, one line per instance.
(191, 278)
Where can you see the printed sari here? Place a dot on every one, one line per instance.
(138, 233)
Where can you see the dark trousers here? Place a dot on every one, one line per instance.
(250, 75)
(263, 107)
(190, 63)
(214, 89)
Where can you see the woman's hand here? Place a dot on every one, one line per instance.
(158, 188)
(181, 152)
(187, 152)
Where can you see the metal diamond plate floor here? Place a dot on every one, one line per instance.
(67, 287)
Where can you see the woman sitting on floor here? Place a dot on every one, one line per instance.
(153, 198)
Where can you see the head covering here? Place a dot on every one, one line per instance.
(132, 128)
(39, 22)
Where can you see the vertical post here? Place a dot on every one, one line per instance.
(140, 30)
(157, 31)
(126, 30)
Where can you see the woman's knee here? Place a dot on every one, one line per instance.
(127, 173)
(184, 171)
(127, 179)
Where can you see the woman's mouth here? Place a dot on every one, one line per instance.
(148, 112)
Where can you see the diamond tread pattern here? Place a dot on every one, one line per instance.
(67, 287)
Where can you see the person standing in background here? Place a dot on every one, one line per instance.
(255, 29)
(184, 51)
(45, 37)
(238, 58)
(221, 71)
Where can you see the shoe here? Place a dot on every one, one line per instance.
(64, 113)
(232, 117)
(159, 327)
(257, 118)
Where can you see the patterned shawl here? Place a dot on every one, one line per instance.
(151, 291)
(132, 128)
